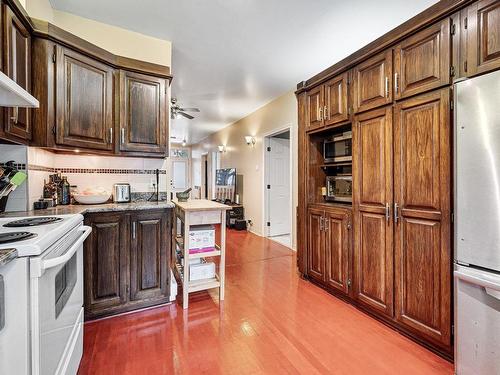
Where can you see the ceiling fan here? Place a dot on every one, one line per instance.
(176, 110)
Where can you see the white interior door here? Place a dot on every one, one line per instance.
(180, 175)
(278, 179)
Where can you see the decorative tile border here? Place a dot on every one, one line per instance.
(33, 167)
(18, 166)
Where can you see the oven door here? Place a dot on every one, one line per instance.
(57, 305)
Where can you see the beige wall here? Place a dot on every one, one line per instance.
(249, 161)
(119, 41)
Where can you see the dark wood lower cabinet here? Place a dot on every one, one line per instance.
(329, 242)
(149, 271)
(126, 261)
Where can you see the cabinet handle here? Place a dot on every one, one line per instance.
(386, 87)
(387, 212)
(396, 82)
(122, 135)
(325, 112)
(15, 112)
(321, 223)
(134, 230)
(110, 135)
(325, 225)
(320, 114)
(396, 213)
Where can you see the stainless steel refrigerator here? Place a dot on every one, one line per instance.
(477, 225)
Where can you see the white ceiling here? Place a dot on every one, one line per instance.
(231, 57)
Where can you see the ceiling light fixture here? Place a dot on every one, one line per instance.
(250, 140)
(221, 148)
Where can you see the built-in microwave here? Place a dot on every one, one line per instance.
(339, 188)
(338, 148)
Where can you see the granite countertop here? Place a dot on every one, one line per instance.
(7, 255)
(85, 209)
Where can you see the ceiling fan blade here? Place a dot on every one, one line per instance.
(189, 109)
(186, 115)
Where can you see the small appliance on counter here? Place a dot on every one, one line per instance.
(121, 193)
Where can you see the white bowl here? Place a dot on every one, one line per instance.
(91, 199)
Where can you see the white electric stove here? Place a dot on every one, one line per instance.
(43, 331)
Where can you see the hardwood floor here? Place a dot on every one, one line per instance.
(271, 322)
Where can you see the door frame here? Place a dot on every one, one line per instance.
(265, 192)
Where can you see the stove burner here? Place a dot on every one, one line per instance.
(32, 222)
(15, 236)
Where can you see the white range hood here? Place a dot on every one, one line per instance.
(13, 95)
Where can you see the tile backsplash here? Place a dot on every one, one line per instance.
(84, 171)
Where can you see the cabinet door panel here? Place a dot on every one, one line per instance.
(336, 100)
(18, 67)
(422, 174)
(106, 263)
(374, 262)
(314, 107)
(483, 37)
(337, 250)
(315, 245)
(84, 101)
(422, 155)
(373, 247)
(422, 282)
(372, 158)
(148, 256)
(422, 62)
(143, 113)
(372, 82)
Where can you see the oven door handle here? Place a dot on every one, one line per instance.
(54, 262)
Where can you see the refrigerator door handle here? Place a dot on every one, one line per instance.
(492, 288)
(492, 293)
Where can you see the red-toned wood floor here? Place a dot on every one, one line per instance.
(271, 322)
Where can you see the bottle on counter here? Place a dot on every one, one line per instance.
(65, 189)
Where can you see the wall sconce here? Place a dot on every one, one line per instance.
(250, 140)
(221, 148)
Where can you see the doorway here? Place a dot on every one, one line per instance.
(278, 187)
(204, 176)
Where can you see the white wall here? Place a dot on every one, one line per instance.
(17, 200)
(249, 161)
(117, 40)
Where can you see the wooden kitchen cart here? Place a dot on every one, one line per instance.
(194, 213)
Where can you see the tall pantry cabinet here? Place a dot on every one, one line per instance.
(397, 265)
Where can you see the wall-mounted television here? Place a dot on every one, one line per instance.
(225, 184)
(225, 177)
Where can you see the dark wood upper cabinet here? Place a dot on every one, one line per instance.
(336, 106)
(373, 247)
(422, 61)
(143, 113)
(17, 65)
(422, 184)
(84, 101)
(483, 37)
(337, 228)
(106, 263)
(149, 272)
(314, 108)
(316, 245)
(372, 82)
